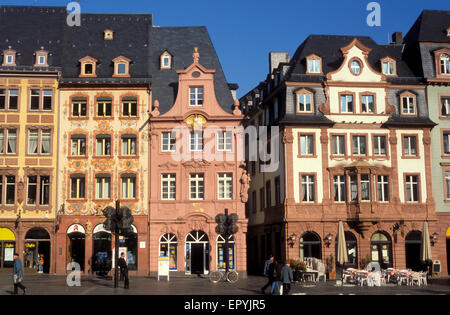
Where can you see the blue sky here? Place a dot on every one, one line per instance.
(245, 31)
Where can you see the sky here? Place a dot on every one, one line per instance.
(245, 31)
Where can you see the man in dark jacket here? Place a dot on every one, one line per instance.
(286, 278)
(276, 268)
(124, 270)
(268, 274)
(18, 275)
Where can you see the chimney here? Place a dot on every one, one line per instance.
(275, 58)
(397, 38)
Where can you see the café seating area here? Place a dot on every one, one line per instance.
(384, 277)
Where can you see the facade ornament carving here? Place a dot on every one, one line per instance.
(288, 138)
(196, 55)
(155, 112)
(236, 111)
(245, 185)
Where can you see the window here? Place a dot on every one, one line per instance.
(346, 103)
(2, 141)
(32, 190)
(168, 187)
(104, 107)
(196, 96)
(88, 66)
(10, 190)
(359, 145)
(445, 64)
(304, 103)
(225, 186)
(338, 144)
(412, 188)
(447, 185)
(261, 199)
(9, 57)
(445, 106)
(306, 144)
(79, 107)
(128, 186)
(88, 69)
(129, 145)
(388, 67)
(121, 69)
(166, 61)
(196, 186)
(103, 187)
(409, 145)
(13, 99)
(277, 191)
(33, 140)
(78, 144)
(314, 66)
(77, 190)
(379, 145)
(45, 141)
(129, 107)
(2, 99)
(41, 60)
(446, 142)
(224, 141)
(383, 188)
(308, 188)
(168, 142)
(35, 98)
(365, 187)
(103, 145)
(408, 104)
(355, 67)
(354, 188)
(108, 34)
(12, 141)
(121, 66)
(340, 192)
(196, 141)
(268, 194)
(367, 104)
(44, 190)
(47, 100)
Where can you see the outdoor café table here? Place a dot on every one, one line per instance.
(309, 275)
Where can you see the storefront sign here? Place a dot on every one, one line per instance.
(76, 228)
(163, 267)
(9, 254)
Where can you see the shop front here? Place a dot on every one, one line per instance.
(7, 248)
(37, 250)
(197, 253)
(76, 245)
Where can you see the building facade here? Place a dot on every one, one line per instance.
(194, 156)
(29, 108)
(428, 41)
(356, 139)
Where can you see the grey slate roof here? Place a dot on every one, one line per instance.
(180, 43)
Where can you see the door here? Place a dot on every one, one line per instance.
(76, 248)
(44, 249)
(197, 258)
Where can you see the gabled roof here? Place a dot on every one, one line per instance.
(329, 48)
(180, 42)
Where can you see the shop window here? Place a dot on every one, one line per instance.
(222, 254)
(168, 247)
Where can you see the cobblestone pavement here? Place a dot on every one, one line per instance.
(56, 285)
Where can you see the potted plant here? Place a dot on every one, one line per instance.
(330, 267)
(297, 267)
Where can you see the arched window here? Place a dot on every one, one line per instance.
(102, 252)
(197, 253)
(381, 249)
(130, 242)
(310, 246)
(168, 245)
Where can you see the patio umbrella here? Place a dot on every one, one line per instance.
(425, 250)
(342, 256)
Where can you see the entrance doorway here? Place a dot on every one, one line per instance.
(37, 249)
(102, 253)
(381, 249)
(76, 245)
(412, 250)
(197, 253)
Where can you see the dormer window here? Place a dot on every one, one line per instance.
(166, 60)
(445, 64)
(388, 66)
(88, 67)
(408, 104)
(355, 66)
(108, 34)
(9, 57)
(41, 58)
(121, 67)
(313, 64)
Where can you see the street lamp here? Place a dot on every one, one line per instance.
(433, 238)
(328, 239)
(292, 239)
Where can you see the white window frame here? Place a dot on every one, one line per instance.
(410, 185)
(171, 139)
(365, 104)
(196, 141)
(388, 68)
(348, 98)
(304, 97)
(224, 141)
(377, 146)
(194, 96)
(445, 64)
(168, 182)
(445, 105)
(308, 182)
(358, 145)
(306, 144)
(341, 185)
(225, 186)
(407, 150)
(196, 186)
(382, 186)
(336, 145)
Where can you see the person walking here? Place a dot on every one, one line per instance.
(287, 277)
(276, 277)
(18, 275)
(268, 274)
(124, 270)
